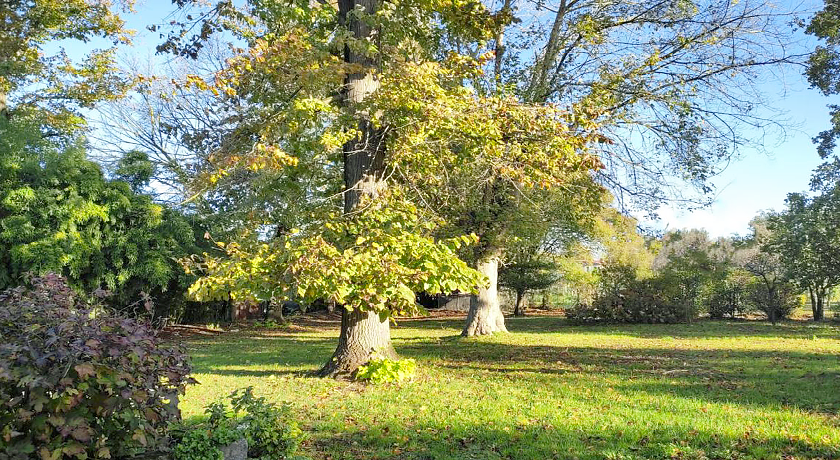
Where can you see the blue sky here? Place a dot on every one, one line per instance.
(757, 181)
(761, 180)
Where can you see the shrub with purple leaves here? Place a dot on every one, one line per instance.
(79, 382)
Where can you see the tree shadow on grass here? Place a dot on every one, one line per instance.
(703, 328)
(699, 329)
(222, 353)
(738, 379)
(260, 373)
(746, 377)
(548, 439)
(707, 329)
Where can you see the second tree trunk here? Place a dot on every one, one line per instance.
(485, 316)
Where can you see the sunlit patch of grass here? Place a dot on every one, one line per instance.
(709, 390)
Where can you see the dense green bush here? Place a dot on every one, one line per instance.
(664, 299)
(78, 381)
(656, 300)
(615, 277)
(269, 429)
(59, 213)
(778, 304)
(730, 296)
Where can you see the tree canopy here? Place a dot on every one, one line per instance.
(363, 151)
(806, 237)
(31, 32)
(58, 211)
(383, 101)
(672, 84)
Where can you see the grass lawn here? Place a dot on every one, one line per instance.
(716, 390)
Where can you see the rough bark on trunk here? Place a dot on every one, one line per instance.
(519, 308)
(364, 157)
(485, 316)
(363, 336)
(280, 312)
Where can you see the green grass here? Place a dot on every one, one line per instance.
(716, 390)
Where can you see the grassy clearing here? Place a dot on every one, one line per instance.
(713, 390)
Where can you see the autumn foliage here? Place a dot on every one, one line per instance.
(80, 382)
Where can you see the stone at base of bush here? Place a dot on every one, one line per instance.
(237, 450)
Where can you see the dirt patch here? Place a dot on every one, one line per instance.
(176, 331)
(313, 321)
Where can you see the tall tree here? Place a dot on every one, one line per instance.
(807, 238)
(367, 91)
(821, 70)
(669, 83)
(767, 265)
(58, 212)
(63, 86)
(672, 83)
(362, 330)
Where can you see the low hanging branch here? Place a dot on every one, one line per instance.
(371, 261)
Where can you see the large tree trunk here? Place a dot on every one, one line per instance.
(519, 308)
(363, 336)
(364, 157)
(485, 316)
